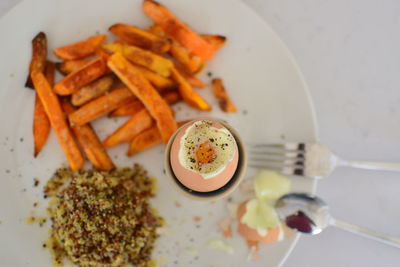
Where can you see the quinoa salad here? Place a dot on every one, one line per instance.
(102, 218)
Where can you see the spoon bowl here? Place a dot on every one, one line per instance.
(305, 213)
(309, 214)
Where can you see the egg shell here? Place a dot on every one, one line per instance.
(251, 234)
(194, 180)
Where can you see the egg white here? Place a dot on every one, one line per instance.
(222, 141)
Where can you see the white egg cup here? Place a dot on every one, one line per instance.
(225, 190)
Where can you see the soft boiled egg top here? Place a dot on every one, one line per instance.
(204, 156)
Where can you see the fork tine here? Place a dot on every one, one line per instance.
(273, 153)
(279, 155)
(278, 148)
(286, 146)
(278, 162)
(287, 158)
(282, 169)
(284, 161)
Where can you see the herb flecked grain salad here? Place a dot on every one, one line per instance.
(102, 218)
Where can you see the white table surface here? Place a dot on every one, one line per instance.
(349, 52)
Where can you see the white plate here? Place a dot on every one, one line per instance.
(259, 73)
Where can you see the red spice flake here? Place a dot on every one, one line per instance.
(177, 204)
(252, 243)
(254, 247)
(197, 218)
(36, 182)
(225, 226)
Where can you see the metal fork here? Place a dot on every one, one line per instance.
(306, 159)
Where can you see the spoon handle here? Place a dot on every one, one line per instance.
(389, 240)
(370, 165)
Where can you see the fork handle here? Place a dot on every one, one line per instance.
(371, 165)
(386, 239)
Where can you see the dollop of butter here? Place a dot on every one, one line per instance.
(270, 185)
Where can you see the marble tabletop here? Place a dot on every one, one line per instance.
(349, 52)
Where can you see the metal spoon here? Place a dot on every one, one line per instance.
(310, 215)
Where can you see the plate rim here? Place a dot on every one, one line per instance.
(309, 100)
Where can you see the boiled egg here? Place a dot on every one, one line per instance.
(258, 222)
(204, 156)
(257, 218)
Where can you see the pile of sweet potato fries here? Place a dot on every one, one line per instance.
(140, 75)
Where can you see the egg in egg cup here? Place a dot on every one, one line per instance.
(205, 159)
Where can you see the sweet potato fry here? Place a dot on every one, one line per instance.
(178, 30)
(142, 88)
(193, 80)
(121, 42)
(141, 38)
(136, 106)
(190, 61)
(75, 80)
(50, 72)
(143, 58)
(90, 142)
(68, 66)
(128, 109)
(136, 124)
(190, 78)
(92, 90)
(190, 96)
(80, 49)
(41, 126)
(172, 97)
(225, 103)
(101, 52)
(217, 41)
(159, 82)
(41, 123)
(146, 139)
(101, 106)
(57, 120)
(39, 54)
